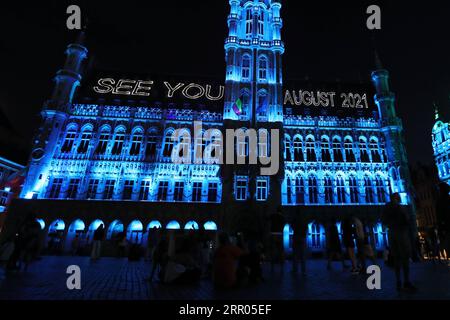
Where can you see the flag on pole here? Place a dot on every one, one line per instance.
(237, 106)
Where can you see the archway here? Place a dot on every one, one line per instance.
(94, 226)
(134, 232)
(55, 236)
(288, 233)
(114, 229)
(316, 237)
(191, 225)
(210, 226)
(41, 222)
(76, 229)
(173, 225)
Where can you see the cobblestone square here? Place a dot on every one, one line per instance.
(119, 279)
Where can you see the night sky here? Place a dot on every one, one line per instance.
(325, 41)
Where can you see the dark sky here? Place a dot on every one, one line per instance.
(325, 40)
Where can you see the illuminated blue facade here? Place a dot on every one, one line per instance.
(441, 147)
(330, 166)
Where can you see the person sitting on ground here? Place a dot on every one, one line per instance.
(225, 263)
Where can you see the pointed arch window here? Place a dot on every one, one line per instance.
(287, 148)
(119, 139)
(289, 190)
(337, 150)
(248, 22)
(328, 184)
(310, 150)
(313, 190)
(86, 137)
(168, 144)
(375, 151)
(136, 143)
(263, 143)
(298, 150)
(102, 142)
(245, 68)
(353, 186)
(300, 190)
(368, 186)
(381, 190)
(262, 66)
(150, 150)
(261, 23)
(364, 155)
(340, 189)
(69, 141)
(325, 146)
(349, 153)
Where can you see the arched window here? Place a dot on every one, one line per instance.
(337, 150)
(119, 138)
(348, 146)
(134, 232)
(168, 144)
(313, 190)
(316, 234)
(103, 141)
(340, 189)
(86, 137)
(136, 143)
(248, 22)
(200, 145)
(310, 150)
(152, 140)
(114, 229)
(263, 143)
(287, 148)
(245, 104)
(364, 155)
(262, 66)
(173, 225)
(289, 190)
(328, 184)
(245, 71)
(69, 140)
(298, 149)
(325, 147)
(300, 190)
(353, 186)
(261, 23)
(381, 190)
(375, 151)
(368, 186)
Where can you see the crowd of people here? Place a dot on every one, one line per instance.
(236, 261)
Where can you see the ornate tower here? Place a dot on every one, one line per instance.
(392, 128)
(54, 114)
(253, 100)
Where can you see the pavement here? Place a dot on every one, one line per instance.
(119, 279)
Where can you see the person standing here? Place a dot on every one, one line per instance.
(152, 241)
(277, 222)
(225, 263)
(299, 245)
(99, 234)
(348, 237)
(360, 243)
(334, 245)
(443, 216)
(396, 219)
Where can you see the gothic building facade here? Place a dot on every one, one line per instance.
(110, 160)
(441, 147)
